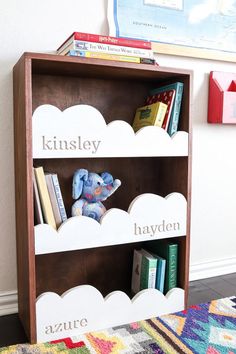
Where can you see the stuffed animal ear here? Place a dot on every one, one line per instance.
(80, 176)
(107, 178)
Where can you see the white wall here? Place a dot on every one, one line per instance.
(41, 26)
(213, 225)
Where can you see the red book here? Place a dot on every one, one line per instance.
(88, 37)
(166, 97)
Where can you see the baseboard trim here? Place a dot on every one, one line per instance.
(212, 269)
(8, 302)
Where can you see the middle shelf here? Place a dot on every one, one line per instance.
(149, 217)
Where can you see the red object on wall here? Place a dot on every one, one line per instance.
(222, 98)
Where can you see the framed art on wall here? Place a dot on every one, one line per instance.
(204, 29)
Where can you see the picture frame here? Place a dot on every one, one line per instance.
(201, 53)
(177, 27)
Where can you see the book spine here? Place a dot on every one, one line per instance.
(136, 272)
(161, 112)
(148, 61)
(158, 274)
(96, 55)
(37, 203)
(171, 271)
(44, 197)
(162, 275)
(53, 198)
(109, 49)
(148, 273)
(59, 197)
(174, 118)
(112, 40)
(171, 97)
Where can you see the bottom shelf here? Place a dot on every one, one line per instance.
(83, 309)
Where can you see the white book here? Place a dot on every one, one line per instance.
(53, 198)
(59, 197)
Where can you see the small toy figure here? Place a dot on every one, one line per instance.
(92, 188)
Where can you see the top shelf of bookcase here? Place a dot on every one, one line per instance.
(73, 66)
(62, 82)
(81, 131)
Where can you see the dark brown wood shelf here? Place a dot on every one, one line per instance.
(116, 89)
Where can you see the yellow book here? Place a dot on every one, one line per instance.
(44, 197)
(152, 114)
(105, 56)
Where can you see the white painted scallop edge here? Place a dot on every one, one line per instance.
(81, 131)
(149, 217)
(83, 309)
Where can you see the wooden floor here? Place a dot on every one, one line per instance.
(11, 331)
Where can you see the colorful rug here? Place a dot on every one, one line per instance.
(202, 329)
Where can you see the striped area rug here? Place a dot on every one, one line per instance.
(202, 329)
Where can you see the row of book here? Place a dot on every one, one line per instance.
(106, 47)
(48, 202)
(155, 267)
(162, 108)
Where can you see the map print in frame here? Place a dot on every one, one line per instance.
(206, 25)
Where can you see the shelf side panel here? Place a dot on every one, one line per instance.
(23, 196)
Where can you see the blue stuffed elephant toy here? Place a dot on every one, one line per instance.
(92, 188)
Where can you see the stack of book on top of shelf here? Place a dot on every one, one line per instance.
(109, 48)
(155, 268)
(162, 108)
(48, 202)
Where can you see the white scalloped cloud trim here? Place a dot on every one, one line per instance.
(81, 131)
(149, 217)
(83, 309)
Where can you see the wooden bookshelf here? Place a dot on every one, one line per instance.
(116, 90)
